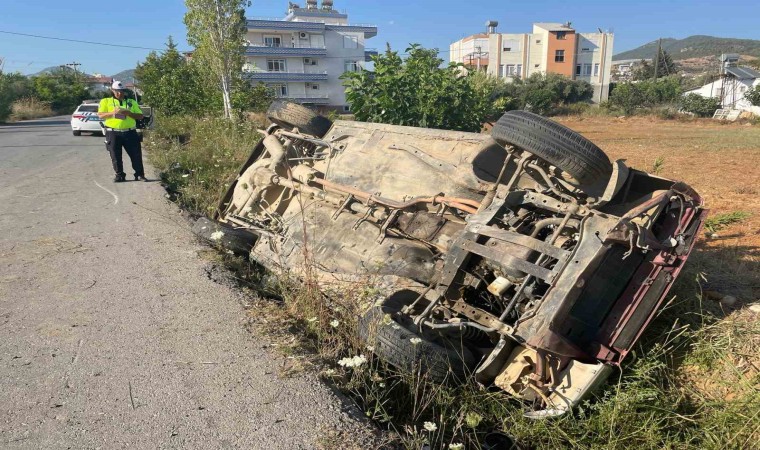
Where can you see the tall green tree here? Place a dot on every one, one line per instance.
(217, 28)
(170, 84)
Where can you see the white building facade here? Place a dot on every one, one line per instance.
(303, 55)
(550, 48)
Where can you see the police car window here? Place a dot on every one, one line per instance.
(88, 108)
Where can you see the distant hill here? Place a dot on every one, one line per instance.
(54, 68)
(694, 47)
(124, 75)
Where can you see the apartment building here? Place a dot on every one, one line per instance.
(303, 55)
(550, 48)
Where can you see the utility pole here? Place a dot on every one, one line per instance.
(657, 58)
(74, 66)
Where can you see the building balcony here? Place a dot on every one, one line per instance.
(280, 25)
(265, 77)
(369, 31)
(369, 53)
(300, 51)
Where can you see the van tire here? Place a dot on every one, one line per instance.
(292, 115)
(554, 143)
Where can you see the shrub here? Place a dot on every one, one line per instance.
(416, 91)
(633, 95)
(30, 108)
(753, 95)
(699, 106)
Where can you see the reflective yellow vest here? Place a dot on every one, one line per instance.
(110, 104)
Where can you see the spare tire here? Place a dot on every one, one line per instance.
(233, 239)
(554, 143)
(391, 337)
(292, 115)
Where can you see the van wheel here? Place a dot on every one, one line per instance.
(554, 143)
(396, 340)
(292, 115)
(76, 133)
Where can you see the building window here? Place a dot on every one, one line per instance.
(280, 90)
(502, 71)
(310, 62)
(276, 65)
(561, 35)
(273, 41)
(352, 66)
(559, 56)
(346, 108)
(586, 49)
(577, 69)
(312, 86)
(518, 72)
(587, 70)
(507, 49)
(538, 41)
(350, 42)
(511, 70)
(596, 69)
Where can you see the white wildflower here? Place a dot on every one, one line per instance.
(356, 361)
(370, 348)
(217, 235)
(185, 175)
(457, 446)
(430, 426)
(395, 326)
(312, 320)
(415, 340)
(330, 372)
(382, 385)
(334, 323)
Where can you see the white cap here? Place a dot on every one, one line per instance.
(117, 86)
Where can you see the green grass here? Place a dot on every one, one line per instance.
(691, 382)
(721, 221)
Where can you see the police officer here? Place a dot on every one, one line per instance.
(120, 116)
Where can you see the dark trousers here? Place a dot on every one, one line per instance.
(130, 140)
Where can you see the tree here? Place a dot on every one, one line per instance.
(753, 95)
(665, 67)
(170, 84)
(13, 86)
(62, 88)
(416, 92)
(217, 28)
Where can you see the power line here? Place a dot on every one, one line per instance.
(81, 42)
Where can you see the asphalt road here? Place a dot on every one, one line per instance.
(112, 334)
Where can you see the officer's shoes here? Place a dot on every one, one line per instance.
(119, 178)
(140, 178)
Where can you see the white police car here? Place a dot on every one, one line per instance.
(85, 118)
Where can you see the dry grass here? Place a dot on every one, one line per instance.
(30, 108)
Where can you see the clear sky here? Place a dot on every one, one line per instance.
(147, 23)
